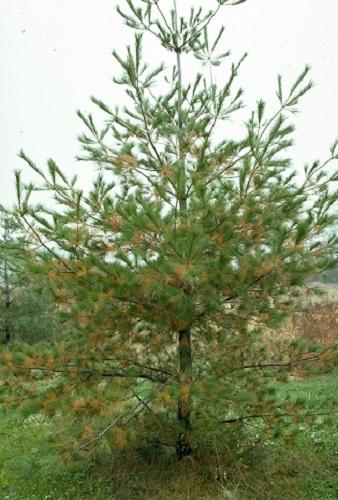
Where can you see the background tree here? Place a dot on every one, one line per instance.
(10, 269)
(170, 270)
(26, 309)
(6, 290)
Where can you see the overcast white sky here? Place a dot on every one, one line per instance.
(54, 54)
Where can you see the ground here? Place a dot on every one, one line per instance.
(303, 469)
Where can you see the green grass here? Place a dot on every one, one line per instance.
(304, 469)
(30, 469)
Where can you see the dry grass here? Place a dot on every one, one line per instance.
(319, 325)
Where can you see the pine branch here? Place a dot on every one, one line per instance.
(274, 416)
(100, 435)
(290, 364)
(131, 414)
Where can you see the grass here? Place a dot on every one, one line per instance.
(304, 469)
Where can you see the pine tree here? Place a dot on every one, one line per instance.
(184, 251)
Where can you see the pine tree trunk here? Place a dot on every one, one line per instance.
(183, 442)
(8, 328)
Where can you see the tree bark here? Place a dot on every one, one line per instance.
(8, 302)
(184, 407)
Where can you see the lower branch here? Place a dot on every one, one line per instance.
(276, 415)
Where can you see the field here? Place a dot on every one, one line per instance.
(302, 469)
